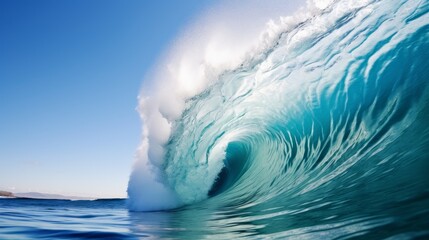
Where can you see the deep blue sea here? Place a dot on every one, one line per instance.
(63, 219)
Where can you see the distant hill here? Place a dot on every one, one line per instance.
(6, 194)
(37, 195)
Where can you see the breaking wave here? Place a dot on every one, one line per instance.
(327, 107)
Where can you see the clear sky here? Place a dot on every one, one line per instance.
(70, 73)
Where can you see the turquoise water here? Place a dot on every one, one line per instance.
(321, 133)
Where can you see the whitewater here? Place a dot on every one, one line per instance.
(314, 125)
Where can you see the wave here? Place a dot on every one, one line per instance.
(324, 101)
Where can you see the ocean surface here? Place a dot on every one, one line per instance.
(320, 133)
(318, 218)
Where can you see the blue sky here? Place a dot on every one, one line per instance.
(70, 73)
